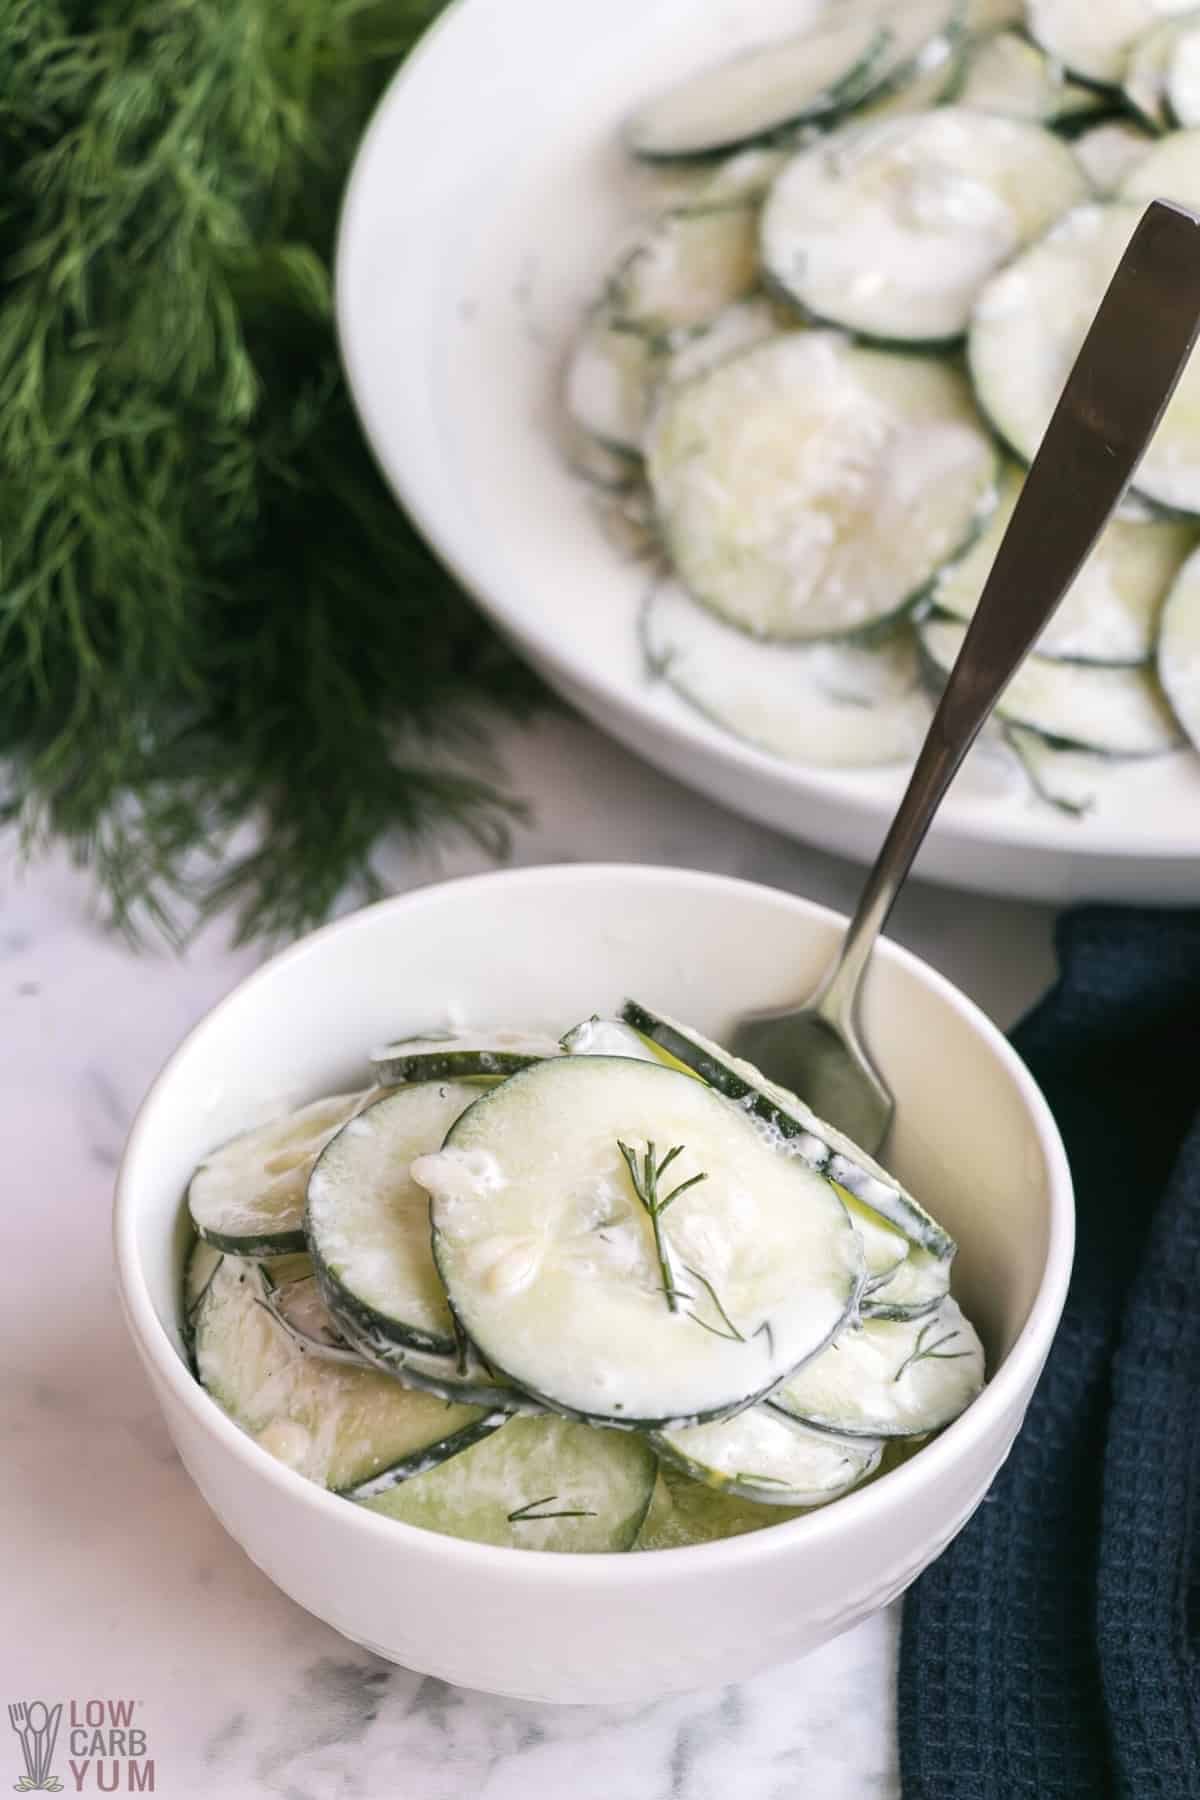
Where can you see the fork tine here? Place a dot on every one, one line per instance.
(16, 1715)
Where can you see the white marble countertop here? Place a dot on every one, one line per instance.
(119, 1585)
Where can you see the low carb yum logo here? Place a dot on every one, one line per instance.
(36, 1726)
(106, 1752)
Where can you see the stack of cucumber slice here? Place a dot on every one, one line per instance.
(609, 1292)
(810, 383)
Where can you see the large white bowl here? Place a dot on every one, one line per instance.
(547, 947)
(477, 225)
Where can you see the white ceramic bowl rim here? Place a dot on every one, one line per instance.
(898, 1487)
(433, 506)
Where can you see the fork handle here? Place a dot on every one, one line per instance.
(1124, 376)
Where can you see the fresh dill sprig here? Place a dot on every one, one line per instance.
(934, 1352)
(731, 1331)
(228, 667)
(645, 1178)
(528, 1515)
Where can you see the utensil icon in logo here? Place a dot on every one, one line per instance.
(36, 1726)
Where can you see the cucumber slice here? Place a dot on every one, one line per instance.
(890, 230)
(1110, 614)
(1169, 171)
(821, 1146)
(564, 1281)
(368, 1220)
(202, 1264)
(808, 488)
(741, 180)
(839, 705)
(1032, 318)
(612, 1037)
(882, 1380)
(1007, 74)
(612, 472)
(685, 269)
(911, 1290)
(885, 1250)
(764, 90)
(248, 1196)
(1148, 71)
(1064, 778)
(1179, 648)
(986, 16)
(683, 1511)
(766, 1456)
(540, 1484)
(463, 1377)
(738, 180)
(1095, 42)
(1109, 153)
(758, 320)
(932, 80)
(609, 380)
(1118, 712)
(460, 1056)
(299, 1306)
(1183, 75)
(629, 524)
(344, 1428)
(608, 1037)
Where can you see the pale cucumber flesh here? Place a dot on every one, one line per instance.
(339, 1426)
(891, 229)
(809, 488)
(367, 1221)
(554, 1269)
(248, 1196)
(764, 1456)
(536, 1484)
(882, 1379)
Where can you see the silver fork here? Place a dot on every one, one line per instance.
(1125, 374)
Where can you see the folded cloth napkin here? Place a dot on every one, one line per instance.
(1054, 1650)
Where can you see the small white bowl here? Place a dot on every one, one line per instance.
(547, 947)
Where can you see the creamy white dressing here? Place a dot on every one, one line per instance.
(763, 1456)
(1183, 79)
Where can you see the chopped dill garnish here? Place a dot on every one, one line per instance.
(933, 1352)
(528, 1515)
(645, 1178)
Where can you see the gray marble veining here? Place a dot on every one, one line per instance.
(120, 1585)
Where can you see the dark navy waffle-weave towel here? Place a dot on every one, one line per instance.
(1052, 1652)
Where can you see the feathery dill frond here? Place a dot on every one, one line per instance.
(211, 611)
